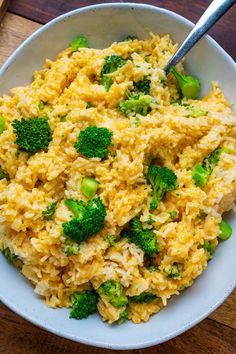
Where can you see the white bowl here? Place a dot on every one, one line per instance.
(102, 25)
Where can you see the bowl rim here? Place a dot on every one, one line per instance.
(3, 69)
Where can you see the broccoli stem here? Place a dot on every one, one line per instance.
(225, 231)
(201, 172)
(189, 86)
(89, 187)
(200, 175)
(2, 124)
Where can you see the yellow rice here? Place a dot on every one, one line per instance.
(170, 133)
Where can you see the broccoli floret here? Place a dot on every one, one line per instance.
(2, 124)
(94, 142)
(201, 172)
(89, 105)
(89, 219)
(173, 271)
(189, 86)
(84, 304)
(136, 104)
(32, 135)
(195, 112)
(41, 105)
(208, 246)
(11, 257)
(201, 215)
(173, 214)
(70, 247)
(152, 269)
(50, 211)
(79, 42)
(142, 86)
(113, 292)
(143, 298)
(150, 220)
(162, 180)
(111, 240)
(112, 64)
(4, 174)
(63, 119)
(130, 38)
(143, 238)
(123, 316)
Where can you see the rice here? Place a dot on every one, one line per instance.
(169, 133)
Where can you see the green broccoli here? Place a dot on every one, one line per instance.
(162, 180)
(111, 240)
(89, 105)
(195, 112)
(41, 105)
(113, 292)
(4, 174)
(11, 257)
(174, 270)
(130, 38)
(201, 172)
(152, 269)
(189, 86)
(2, 124)
(123, 316)
(32, 135)
(143, 298)
(201, 215)
(150, 220)
(84, 304)
(173, 214)
(89, 186)
(135, 104)
(94, 142)
(79, 42)
(50, 211)
(89, 219)
(208, 246)
(63, 119)
(143, 238)
(225, 231)
(112, 64)
(142, 86)
(71, 247)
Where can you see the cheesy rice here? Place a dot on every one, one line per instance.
(178, 134)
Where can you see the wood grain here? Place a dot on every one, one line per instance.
(3, 8)
(44, 10)
(13, 31)
(17, 336)
(226, 313)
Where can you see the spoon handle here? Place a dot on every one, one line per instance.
(212, 14)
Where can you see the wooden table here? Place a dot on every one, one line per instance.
(216, 334)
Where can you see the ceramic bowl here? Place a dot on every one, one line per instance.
(102, 25)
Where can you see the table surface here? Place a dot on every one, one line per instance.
(214, 335)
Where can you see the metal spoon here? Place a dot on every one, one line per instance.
(212, 14)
